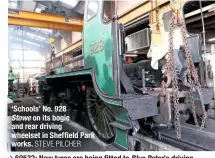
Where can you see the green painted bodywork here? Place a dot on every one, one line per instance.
(121, 138)
(11, 78)
(101, 61)
(86, 72)
(59, 71)
(100, 66)
(41, 78)
(11, 95)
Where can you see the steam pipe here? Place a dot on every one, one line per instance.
(203, 32)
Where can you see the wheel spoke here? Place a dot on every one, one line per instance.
(108, 122)
(92, 95)
(105, 130)
(97, 114)
(91, 105)
(94, 110)
(108, 111)
(92, 92)
(99, 123)
(92, 99)
(95, 120)
(91, 111)
(105, 125)
(110, 119)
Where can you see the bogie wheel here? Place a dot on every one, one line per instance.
(100, 116)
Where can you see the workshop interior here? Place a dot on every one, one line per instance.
(139, 74)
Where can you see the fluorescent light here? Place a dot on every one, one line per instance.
(42, 38)
(31, 43)
(47, 31)
(16, 38)
(130, 55)
(211, 39)
(34, 35)
(38, 10)
(26, 41)
(30, 34)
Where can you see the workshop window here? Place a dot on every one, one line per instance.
(108, 10)
(92, 9)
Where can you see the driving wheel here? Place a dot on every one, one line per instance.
(100, 116)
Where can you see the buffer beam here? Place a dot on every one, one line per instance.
(41, 20)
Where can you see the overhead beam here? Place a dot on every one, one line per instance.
(197, 18)
(199, 24)
(145, 7)
(209, 27)
(209, 7)
(70, 48)
(50, 21)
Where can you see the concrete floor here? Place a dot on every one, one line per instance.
(93, 144)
